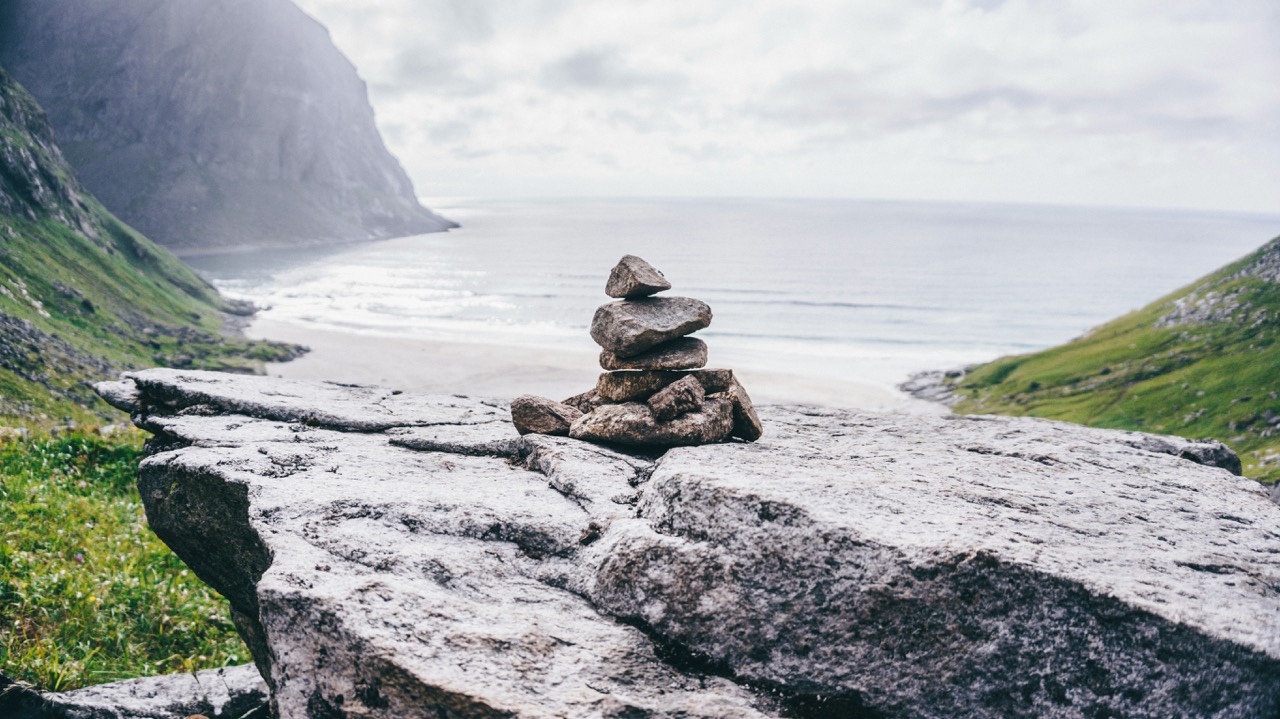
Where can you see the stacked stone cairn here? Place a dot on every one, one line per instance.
(656, 391)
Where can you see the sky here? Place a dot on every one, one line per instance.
(1142, 103)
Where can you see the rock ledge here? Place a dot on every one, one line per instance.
(849, 564)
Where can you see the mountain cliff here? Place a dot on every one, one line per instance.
(82, 295)
(1201, 362)
(214, 124)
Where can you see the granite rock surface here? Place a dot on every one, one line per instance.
(850, 564)
(228, 693)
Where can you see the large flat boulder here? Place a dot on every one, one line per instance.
(848, 564)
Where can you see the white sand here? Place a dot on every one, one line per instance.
(508, 370)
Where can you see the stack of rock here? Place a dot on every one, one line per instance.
(656, 391)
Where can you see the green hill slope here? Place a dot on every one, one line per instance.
(82, 295)
(1201, 362)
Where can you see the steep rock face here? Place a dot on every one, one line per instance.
(83, 295)
(398, 555)
(212, 124)
(34, 178)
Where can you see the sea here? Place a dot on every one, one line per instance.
(867, 291)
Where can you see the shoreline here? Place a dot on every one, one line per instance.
(505, 370)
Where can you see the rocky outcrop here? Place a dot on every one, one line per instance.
(34, 178)
(1222, 298)
(849, 564)
(212, 124)
(230, 693)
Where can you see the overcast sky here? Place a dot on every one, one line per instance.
(1160, 103)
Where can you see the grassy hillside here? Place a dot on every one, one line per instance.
(1201, 362)
(87, 594)
(82, 295)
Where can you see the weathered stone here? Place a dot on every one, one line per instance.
(587, 401)
(968, 555)
(378, 581)
(683, 353)
(746, 423)
(902, 566)
(490, 439)
(228, 693)
(340, 406)
(633, 424)
(539, 415)
(1209, 452)
(629, 385)
(682, 396)
(632, 277)
(630, 327)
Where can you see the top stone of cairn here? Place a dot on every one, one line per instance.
(632, 278)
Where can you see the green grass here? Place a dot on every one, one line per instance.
(1218, 380)
(87, 593)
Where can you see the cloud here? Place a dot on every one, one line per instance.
(418, 70)
(603, 69)
(1149, 102)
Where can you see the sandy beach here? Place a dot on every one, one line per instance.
(506, 370)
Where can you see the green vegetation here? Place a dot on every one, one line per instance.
(87, 593)
(82, 295)
(1202, 362)
(76, 309)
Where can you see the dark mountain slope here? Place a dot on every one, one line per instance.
(83, 295)
(212, 123)
(1201, 362)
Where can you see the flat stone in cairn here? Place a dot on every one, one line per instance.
(633, 424)
(629, 385)
(630, 327)
(683, 353)
(746, 423)
(680, 397)
(632, 277)
(539, 415)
